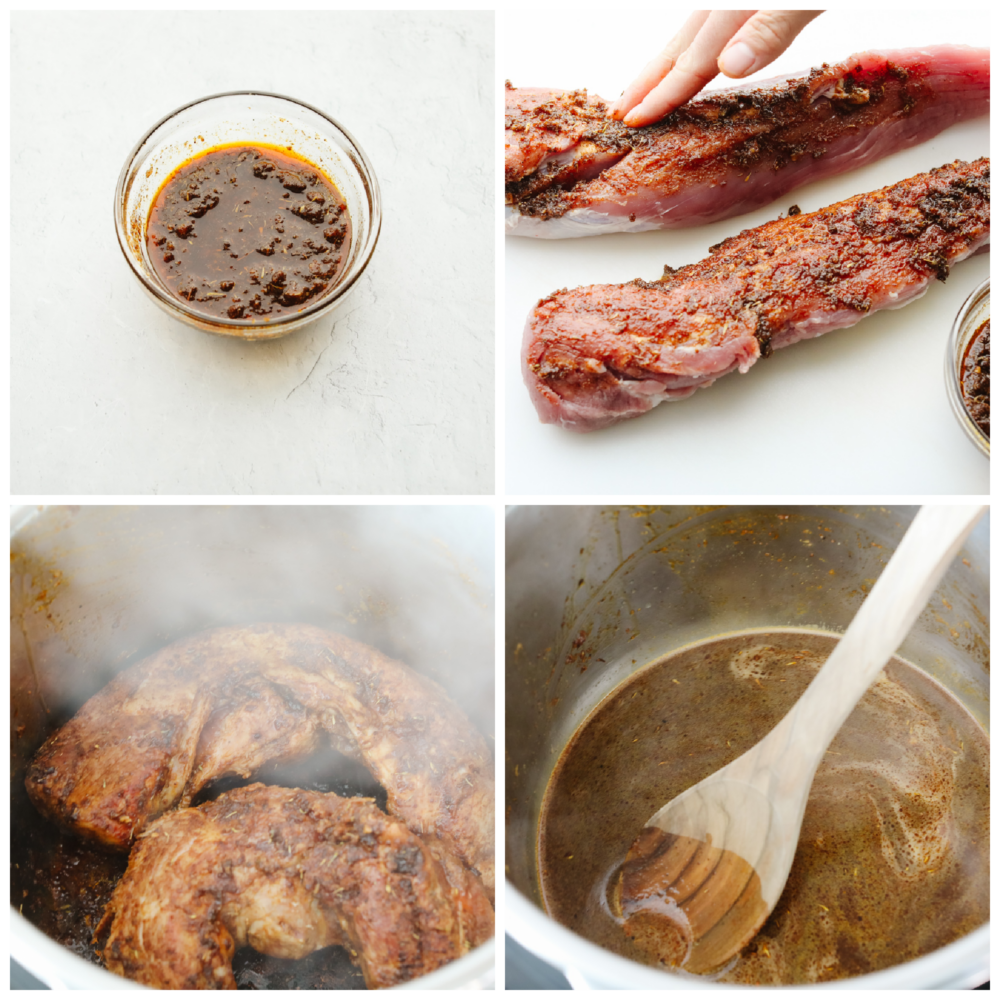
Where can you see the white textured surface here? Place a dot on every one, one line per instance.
(110, 395)
(858, 411)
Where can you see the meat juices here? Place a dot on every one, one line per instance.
(595, 355)
(893, 856)
(248, 233)
(570, 171)
(63, 884)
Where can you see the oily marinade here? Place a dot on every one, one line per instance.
(248, 233)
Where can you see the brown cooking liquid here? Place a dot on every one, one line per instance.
(248, 233)
(893, 857)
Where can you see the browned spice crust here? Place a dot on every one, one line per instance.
(288, 872)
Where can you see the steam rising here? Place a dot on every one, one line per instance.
(415, 582)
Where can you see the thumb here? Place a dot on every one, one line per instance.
(762, 39)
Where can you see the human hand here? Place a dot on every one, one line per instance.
(735, 42)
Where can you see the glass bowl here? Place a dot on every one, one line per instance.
(248, 117)
(974, 312)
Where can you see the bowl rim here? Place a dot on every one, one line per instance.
(237, 328)
(952, 370)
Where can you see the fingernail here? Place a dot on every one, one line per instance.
(737, 59)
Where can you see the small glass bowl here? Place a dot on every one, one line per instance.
(974, 312)
(251, 118)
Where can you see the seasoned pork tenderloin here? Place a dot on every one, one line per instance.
(596, 355)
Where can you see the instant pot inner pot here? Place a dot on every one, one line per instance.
(95, 589)
(595, 595)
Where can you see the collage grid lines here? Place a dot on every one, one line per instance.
(406, 418)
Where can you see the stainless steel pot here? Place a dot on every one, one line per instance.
(93, 589)
(617, 588)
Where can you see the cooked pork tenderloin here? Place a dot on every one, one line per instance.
(287, 872)
(227, 700)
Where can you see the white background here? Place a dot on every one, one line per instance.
(859, 411)
(112, 396)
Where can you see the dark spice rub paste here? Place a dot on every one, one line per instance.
(893, 857)
(976, 378)
(248, 233)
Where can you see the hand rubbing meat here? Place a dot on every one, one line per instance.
(570, 171)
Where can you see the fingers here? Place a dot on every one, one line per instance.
(659, 67)
(762, 39)
(693, 68)
(735, 42)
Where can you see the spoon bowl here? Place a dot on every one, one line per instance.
(693, 841)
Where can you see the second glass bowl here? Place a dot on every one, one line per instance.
(248, 117)
(974, 312)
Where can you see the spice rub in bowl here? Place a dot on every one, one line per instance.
(248, 232)
(976, 377)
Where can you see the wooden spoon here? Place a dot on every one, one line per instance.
(704, 874)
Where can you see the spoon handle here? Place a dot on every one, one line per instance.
(877, 631)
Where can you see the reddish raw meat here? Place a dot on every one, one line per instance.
(570, 171)
(598, 354)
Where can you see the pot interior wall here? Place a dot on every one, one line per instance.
(594, 594)
(95, 589)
